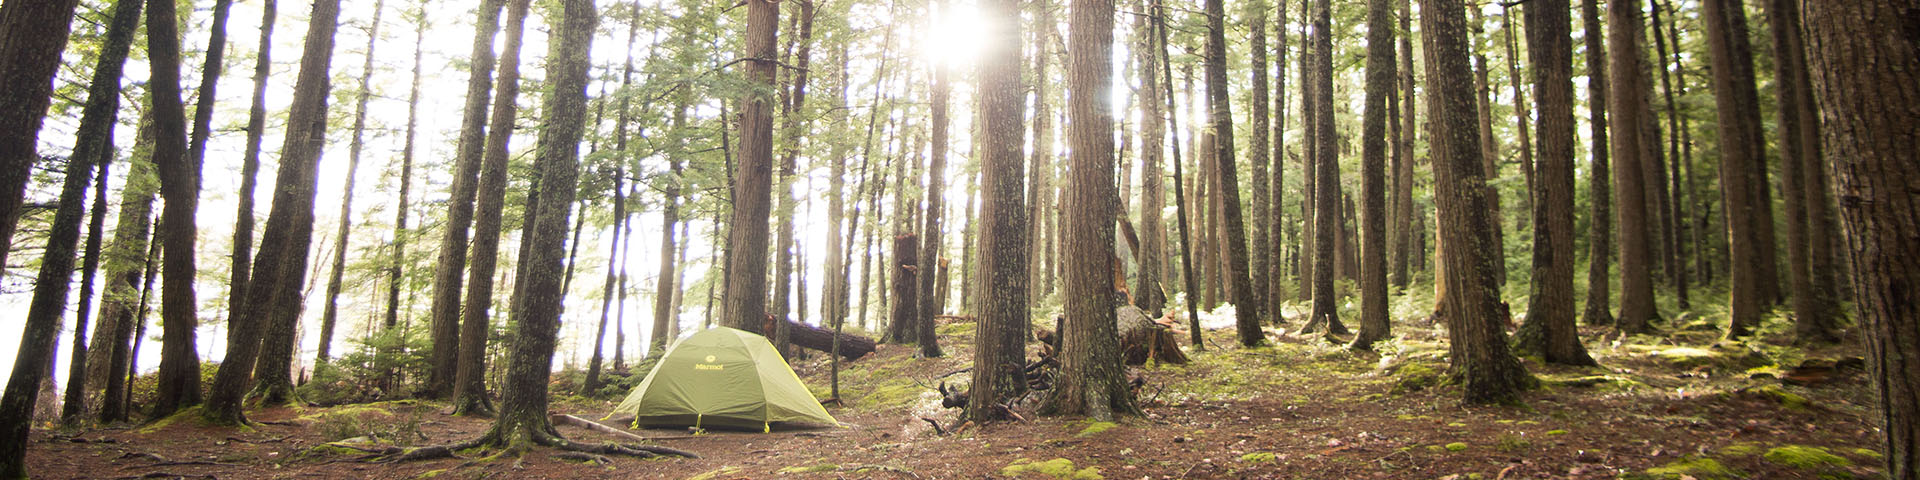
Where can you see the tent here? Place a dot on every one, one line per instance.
(722, 377)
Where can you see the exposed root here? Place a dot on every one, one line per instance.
(937, 429)
(585, 457)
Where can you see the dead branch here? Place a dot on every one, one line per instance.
(564, 419)
(600, 460)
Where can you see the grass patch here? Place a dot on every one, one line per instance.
(1692, 467)
(1058, 468)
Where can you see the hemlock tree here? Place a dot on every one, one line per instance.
(1471, 305)
(1810, 223)
(1220, 124)
(336, 273)
(242, 256)
(280, 267)
(180, 185)
(1374, 324)
(444, 316)
(1627, 105)
(745, 302)
(470, 389)
(33, 35)
(1092, 380)
(1549, 330)
(1865, 80)
(1742, 151)
(1324, 168)
(1000, 268)
(1599, 192)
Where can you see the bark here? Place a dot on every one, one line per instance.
(1000, 269)
(1276, 217)
(1303, 267)
(1326, 175)
(1599, 190)
(1816, 310)
(1675, 216)
(1523, 130)
(929, 273)
(1041, 212)
(400, 233)
(470, 389)
(1258, 149)
(1220, 121)
(1737, 106)
(1863, 79)
(903, 322)
(33, 35)
(1627, 108)
(1092, 380)
(1402, 235)
(1179, 186)
(242, 256)
(833, 301)
(793, 98)
(1490, 149)
(330, 313)
(666, 288)
(179, 183)
(1149, 294)
(746, 294)
(1471, 306)
(1374, 324)
(444, 315)
(1549, 330)
(127, 269)
(74, 401)
(280, 267)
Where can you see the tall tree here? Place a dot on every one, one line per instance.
(930, 270)
(1549, 330)
(1325, 171)
(1674, 216)
(444, 316)
(1276, 218)
(400, 233)
(242, 256)
(793, 97)
(330, 313)
(1374, 324)
(746, 294)
(1471, 305)
(1179, 184)
(128, 265)
(1150, 295)
(470, 389)
(1000, 267)
(1816, 307)
(1092, 380)
(1042, 206)
(1864, 79)
(35, 356)
(1627, 107)
(180, 184)
(1599, 190)
(1220, 121)
(1402, 233)
(1738, 107)
(33, 35)
(1257, 153)
(280, 267)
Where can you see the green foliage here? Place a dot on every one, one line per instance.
(374, 422)
(1257, 457)
(1805, 457)
(1692, 467)
(1415, 377)
(1456, 446)
(1058, 468)
(360, 372)
(1095, 427)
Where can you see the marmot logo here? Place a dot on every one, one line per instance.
(710, 358)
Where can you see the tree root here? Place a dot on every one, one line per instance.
(543, 437)
(585, 457)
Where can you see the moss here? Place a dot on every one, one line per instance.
(1868, 453)
(715, 474)
(190, 414)
(432, 473)
(1257, 457)
(1783, 397)
(1741, 450)
(821, 468)
(955, 329)
(1456, 446)
(1692, 467)
(1094, 428)
(1805, 458)
(1058, 468)
(1414, 378)
(1436, 448)
(1556, 432)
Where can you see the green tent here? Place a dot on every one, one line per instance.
(722, 377)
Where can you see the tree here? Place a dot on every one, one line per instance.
(1000, 266)
(1742, 151)
(335, 276)
(444, 316)
(1041, 214)
(1599, 191)
(1257, 153)
(1276, 264)
(1092, 379)
(1816, 307)
(1858, 74)
(1627, 107)
(470, 390)
(1402, 233)
(1549, 330)
(616, 258)
(936, 178)
(746, 294)
(1150, 295)
(1179, 183)
(1374, 324)
(1471, 305)
(400, 233)
(180, 184)
(1220, 124)
(128, 268)
(1325, 172)
(280, 267)
(242, 256)
(33, 35)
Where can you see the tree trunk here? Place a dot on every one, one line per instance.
(1258, 150)
(1402, 234)
(746, 294)
(1179, 183)
(1816, 309)
(280, 267)
(666, 288)
(1471, 305)
(1276, 216)
(1549, 330)
(1374, 324)
(930, 272)
(331, 313)
(1675, 216)
(442, 367)
(1220, 121)
(1737, 104)
(1149, 294)
(1326, 175)
(33, 35)
(470, 389)
(179, 183)
(400, 233)
(126, 271)
(1490, 150)
(1000, 270)
(1092, 381)
(1042, 212)
(1627, 107)
(1599, 190)
(793, 98)
(242, 256)
(1863, 79)
(903, 322)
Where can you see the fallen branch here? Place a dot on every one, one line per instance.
(600, 460)
(937, 430)
(564, 419)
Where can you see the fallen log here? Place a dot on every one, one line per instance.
(564, 419)
(820, 339)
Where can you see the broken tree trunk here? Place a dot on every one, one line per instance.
(851, 346)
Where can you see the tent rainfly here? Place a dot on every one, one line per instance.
(723, 377)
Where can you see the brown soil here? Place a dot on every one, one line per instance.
(1301, 409)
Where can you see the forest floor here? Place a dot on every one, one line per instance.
(1684, 405)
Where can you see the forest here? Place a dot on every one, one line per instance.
(1067, 239)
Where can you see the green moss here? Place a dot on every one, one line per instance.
(1058, 468)
(1094, 428)
(1456, 446)
(1805, 457)
(1457, 425)
(1556, 432)
(715, 474)
(1414, 378)
(1695, 467)
(189, 414)
(1741, 450)
(1436, 448)
(1257, 457)
(1783, 397)
(1868, 453)
(955, 329)
(821, 468)
(432, 473)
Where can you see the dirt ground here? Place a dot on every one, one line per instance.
(1679, 407)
